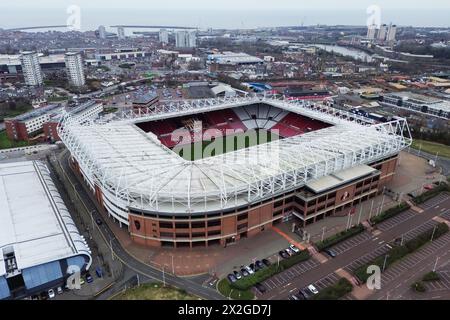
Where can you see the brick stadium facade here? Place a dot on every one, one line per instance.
(157, 229)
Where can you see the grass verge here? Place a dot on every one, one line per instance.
(339, 237)
(5, 143)
(392, 212)
(225, 289)
(432, 147)
(155, 291)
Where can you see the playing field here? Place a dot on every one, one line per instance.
(205, 149)
(432, 148)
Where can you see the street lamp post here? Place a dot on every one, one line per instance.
(435, 264)
(173, 266)
(371, 208)
(323, 233)
(385, 261)
(382, 201)
(360, 213)
(432, 235)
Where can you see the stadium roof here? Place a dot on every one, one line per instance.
(140, 172)
(34, 219)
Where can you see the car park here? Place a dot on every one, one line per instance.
(231, 278)
(294, 248)
(313, 289)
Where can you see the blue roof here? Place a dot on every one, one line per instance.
(4, 289)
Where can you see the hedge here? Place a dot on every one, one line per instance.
(431, 276)
(392, 212)
(339, 237)
(399, 252)
(225, 289)
(336, 291)
(431, 193)
(259, 276)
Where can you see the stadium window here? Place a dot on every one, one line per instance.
(278, 204)
(300, 201)
(214, 223)
(166, 225)
(214, 233)
(137, 224)
(166, 235)
(242, 226)
(198, 225)
(277, 213)
(182, 225)
(243, 217)
(182, 235)
(198, 235)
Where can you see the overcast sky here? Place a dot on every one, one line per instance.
(230, 4)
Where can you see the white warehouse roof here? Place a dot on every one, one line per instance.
(34, 219)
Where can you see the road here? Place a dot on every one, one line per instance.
(129, 261)
(442, 162)
(346, 258)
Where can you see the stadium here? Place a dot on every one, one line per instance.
(309, 161)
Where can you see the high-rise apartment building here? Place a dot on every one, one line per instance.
(74, 67)
(186, 39)
(31, 68)
(164, 36)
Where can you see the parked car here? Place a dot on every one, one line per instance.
(261, 288)
(266, 262)
(245, 272)
(99, 272)
(253, 267)
(296, 297)
(59, 290)
(283, 254)
(99, 222)
(313, 289)
(237, 275)
(89, 278)
(290, 252)
(294, 248)
(51, 293)
(331, 253)
(231, 278)
(305, 293)
(259, 264)
(250, 270)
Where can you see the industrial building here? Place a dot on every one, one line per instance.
(324, 163)
(418, 103)
(38, 238)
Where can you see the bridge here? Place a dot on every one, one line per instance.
(37, 27)
(154, 27)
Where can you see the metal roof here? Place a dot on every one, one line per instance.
(136, 169)
(34, 219)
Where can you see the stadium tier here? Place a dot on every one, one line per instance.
(327, 162)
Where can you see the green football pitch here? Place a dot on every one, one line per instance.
(218, 146)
